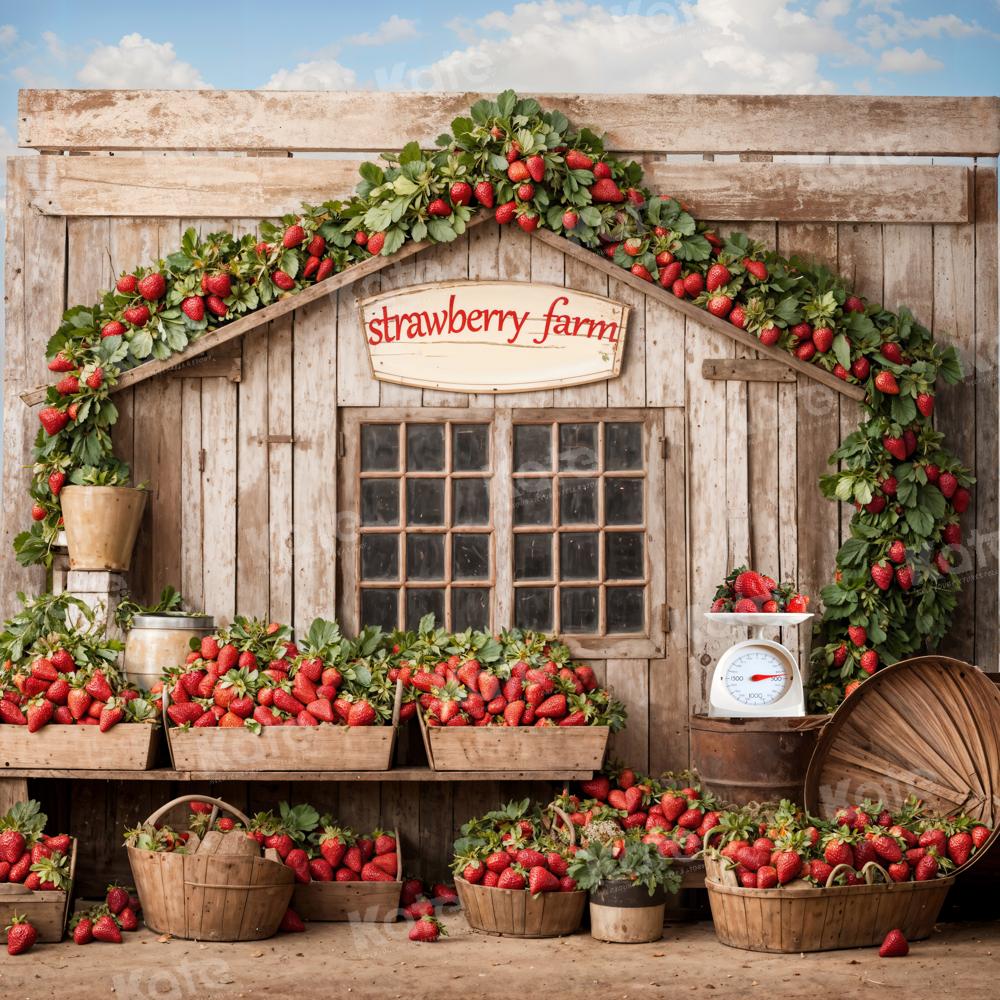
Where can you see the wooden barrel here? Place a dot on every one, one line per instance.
(754, 760)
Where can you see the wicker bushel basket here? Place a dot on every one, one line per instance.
(927, 727)
(224, 891)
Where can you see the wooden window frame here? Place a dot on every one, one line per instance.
(501, 420)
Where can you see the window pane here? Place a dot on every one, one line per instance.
(623, 446)
(623, 555)
(577, 501)
(380, 557)
(470, 557)
(425, 557)
(533, 557)
(533, 608)
(626, 609)
(470, 501)
(380, 448)
(380, 607)
(578, 555)
(532, 447)
(470, 608)
(420, 602)
(578, 609)
(532, 501)
(577, 446)
(623, 501)
(470, 447)
(425, 501)
(380, 501)
(425, 447)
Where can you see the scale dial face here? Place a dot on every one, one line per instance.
(757, 677)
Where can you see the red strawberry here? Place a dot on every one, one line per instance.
(126, 284)
(136, 315)
(439, 207)
(152, 287)
(505, 212)
(128, 920)
(375, 243)
(426, 929)
(886, 383)
(21, 936)
(294, 236)
(805, 350)
(216, 306)
(283, 281)
(925, 403)
(768, 336)
(570, 219)
(326, 268)
(542, 880)
(95, 379)
(528, 221)
(53, 420)
(694, 284)
(291, 923)
(536, 168)
(756, 268)
(111, 715)
(891, 351)
(860, 368)
(894, 945)
(316, 246)
(960, 848)
(767, 877)
(511, 878)
(484, 194)
(869, 661)
(717, 276)
(853, 304)
(904, 577)
(605, 191)
(882, 575)
(106, 929)
(68, 385)
(83, 932)
(894, 446)
(822, 338)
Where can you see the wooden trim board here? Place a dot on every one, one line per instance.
(227, 186)
(405, 774)
(262, 120)
(746, 370)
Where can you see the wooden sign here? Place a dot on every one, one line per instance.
(493, 336)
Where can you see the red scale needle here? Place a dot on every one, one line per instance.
(765, 677)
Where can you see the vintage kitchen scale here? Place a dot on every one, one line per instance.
(757, 677)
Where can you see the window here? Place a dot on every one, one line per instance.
(580, 561)
(539, 519)
(425, 523)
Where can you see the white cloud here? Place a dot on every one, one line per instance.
(395, 29)
(900, 60)
(895, 25)
(8, 35)
(757, 46)
(54, 45)
(140, 63)
(27, 76)
(319, 74)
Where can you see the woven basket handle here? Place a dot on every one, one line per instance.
(217, 804)
(708, 836)
(567, 822)
(836, 871)
(871, 869)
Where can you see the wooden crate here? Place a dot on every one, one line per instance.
(285, 748)
(814, 919)
(46, 911)
(514, 748)
(516, 913)
(222, 892)
(128, 746)
(371, 902)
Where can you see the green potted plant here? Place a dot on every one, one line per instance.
(628, 882)
(102, 513)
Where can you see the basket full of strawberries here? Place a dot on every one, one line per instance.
(746, 592)
(252, 699)
(36, 871)
(513, 701)
(63, 701)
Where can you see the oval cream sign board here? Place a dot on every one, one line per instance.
(493, 336)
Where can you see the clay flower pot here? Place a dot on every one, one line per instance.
(101, 525)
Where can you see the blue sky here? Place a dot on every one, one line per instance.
(762, 46)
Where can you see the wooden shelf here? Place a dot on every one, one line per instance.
(398, 774)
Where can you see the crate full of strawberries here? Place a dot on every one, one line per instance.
(252, 699)
(36, 871)
(63, 701)
(514, 701)
(835, 883)
(512, 872)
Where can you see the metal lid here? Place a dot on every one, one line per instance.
(928, 726)
(173, 620)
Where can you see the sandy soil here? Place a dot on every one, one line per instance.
(371, 961)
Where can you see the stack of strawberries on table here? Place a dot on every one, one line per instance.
(252, 675)
(515, 678)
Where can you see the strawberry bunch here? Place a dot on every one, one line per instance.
(119, 912)
(746, 591)
(252, 675)
(516, 678)
(510, 848)
(28, 856)
(785, 846)
(418, 900)
(68, 676)
(319, 850)
(531, 167)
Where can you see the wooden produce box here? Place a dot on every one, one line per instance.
(514, 748)
(129, 746)
(516, 913)
(46, 911)
(370, 902)
(285, 748)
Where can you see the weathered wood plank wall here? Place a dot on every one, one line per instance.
(245, 506)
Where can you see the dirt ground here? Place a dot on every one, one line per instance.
(377, 961)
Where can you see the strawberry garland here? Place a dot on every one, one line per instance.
(894, 583)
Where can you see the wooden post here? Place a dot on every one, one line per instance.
(12, 790)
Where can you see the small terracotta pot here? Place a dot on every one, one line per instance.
(101, 525)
